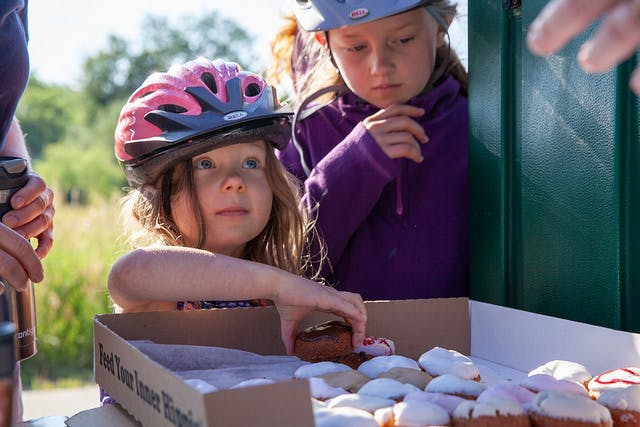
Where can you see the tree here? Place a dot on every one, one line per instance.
(118, 70)
(46, 112)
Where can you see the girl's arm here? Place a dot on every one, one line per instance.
(156, 278)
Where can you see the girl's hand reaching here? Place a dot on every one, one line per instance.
(297, 298)
(397, 133)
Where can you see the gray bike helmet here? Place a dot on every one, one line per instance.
(325, 15)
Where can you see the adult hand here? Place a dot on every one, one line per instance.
(32, 214)
(19, 263)
(397, 133)
(296, 301)
(616, 40)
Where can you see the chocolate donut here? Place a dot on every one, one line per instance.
(324, 342)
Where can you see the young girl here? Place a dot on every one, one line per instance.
(385, 162)
(212, 213)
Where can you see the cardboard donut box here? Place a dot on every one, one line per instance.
(505, 342)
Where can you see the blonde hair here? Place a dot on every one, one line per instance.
(325, 74)
(284, 242)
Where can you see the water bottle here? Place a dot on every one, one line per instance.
(7, 367)
(17, 307)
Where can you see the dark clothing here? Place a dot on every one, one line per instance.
(14, 60)
(393, 229)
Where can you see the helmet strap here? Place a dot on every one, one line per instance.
(166, 194)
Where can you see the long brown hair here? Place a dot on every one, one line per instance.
(283, 243)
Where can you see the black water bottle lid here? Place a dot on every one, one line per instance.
(7, 349)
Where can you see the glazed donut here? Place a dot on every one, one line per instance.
(324, 342)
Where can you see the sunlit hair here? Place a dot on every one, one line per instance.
(325, 74)
(294, 52)
(283, 243)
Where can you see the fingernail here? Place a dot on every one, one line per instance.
(10, 220)
(585, 57)
(19, 201)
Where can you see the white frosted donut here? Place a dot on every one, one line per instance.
(200, 385)
(343, 417)
(374, 367)
(253, 382)
(414, 413)
(544, 382)
(440, 361)
(321, 390)
(621, 398)
(474, 409)
(508, 391)
(564, 370)
(360, 401)
(447, 401)
(451, 384)
(319, 368)
(569, 406)
(387, 388)
(376, 346)
(614, 379)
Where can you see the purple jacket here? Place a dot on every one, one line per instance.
(14, 59)
(393, 229)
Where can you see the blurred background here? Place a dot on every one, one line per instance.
(86, 58)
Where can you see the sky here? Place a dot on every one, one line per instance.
(65, 32)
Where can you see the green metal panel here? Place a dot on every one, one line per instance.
(554, 176)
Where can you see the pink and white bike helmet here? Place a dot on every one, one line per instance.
(193, 108)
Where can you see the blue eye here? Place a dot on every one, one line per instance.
(250, 164)
(204, 164)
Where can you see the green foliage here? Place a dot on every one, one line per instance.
(82, 166)
(73, 291)
(117, 71)
(46, 112)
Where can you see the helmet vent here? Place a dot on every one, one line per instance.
(252, 89)
(172, 108)
(210, 81)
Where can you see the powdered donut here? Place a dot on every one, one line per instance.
(624, 405)
(614, 379)
(552, 408)
(451, 384)
(324, 342)
(374, 367)
(565, 370)
(411, 376)
(412, 413)
(440, 361)
(496, 413)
